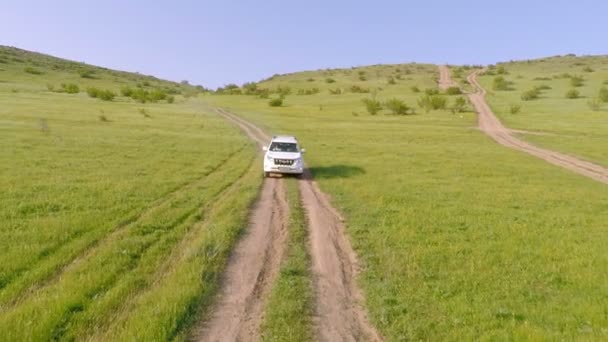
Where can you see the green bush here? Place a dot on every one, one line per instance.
(531, 94)
(572, 94)
(33, 71)
(398, 107)
(336, 91)
(391, 80)
(278, 102)
(70, 88)
(500, 83)
(603, 94)
(358, 89)
(106, 95)
(431, 91)
(501, 70)
(250, 88)
(330, 80)
(170, 98)
(588, 69)
(577, 81)
(93, 92)
(595, 104)
(126, 91)
(514, 108)
(372, 105)
(453, 91)
(459, 106)
(87, 73)
(432, 102)
(415, 89)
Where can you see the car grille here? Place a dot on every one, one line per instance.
(283, 162)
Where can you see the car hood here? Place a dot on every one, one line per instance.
(284, 155)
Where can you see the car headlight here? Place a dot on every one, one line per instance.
(269, 158)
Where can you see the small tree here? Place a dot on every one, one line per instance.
(372, 105)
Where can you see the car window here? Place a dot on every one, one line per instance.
(283, 147)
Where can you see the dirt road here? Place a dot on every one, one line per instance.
(445, 81)
(490, 125)
(253, 265)
(339, 314)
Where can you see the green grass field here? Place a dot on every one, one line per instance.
(570, 125)
(117, 217)
(460, 238)
(107, 208)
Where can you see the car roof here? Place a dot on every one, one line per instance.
(285, 138)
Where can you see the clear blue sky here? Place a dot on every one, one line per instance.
(218, 42)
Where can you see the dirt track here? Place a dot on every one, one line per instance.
(445, 81)
(339, 315)
(490, 125)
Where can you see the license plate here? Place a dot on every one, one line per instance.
(284, 169)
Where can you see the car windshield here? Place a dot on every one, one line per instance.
(283, 147)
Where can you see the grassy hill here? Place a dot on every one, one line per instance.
(459, 238)
(104, 204)
(570, 113)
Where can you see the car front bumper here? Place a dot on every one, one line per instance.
(295, 169)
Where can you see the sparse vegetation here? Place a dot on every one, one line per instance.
(459, 105)
(577, 81)
(32, 70)
(514, 108)
(105, 95)
(500, 83)
(572, 94)
(372, 105)
(358, 89)
(276, 102)
(603, 94)
(330, 80)
(453, 91)
(432, 102)
(398, 107)
(531, 94)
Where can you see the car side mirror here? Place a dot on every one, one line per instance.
(264, 148)
(303, 150)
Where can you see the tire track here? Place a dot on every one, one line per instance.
(491, 126)
(89, 249)
(339, 313)
(254, 263)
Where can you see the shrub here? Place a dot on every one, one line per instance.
(103, 118)
(595, 104)
(263, 93)
(126, 91)
(278, 102)
(542, 87)
(453, 91)
(588, 69)
(572, 94)
(431, 91)
(514, 108)
(170, 99)
(330, 80)
(93, 92)
(432, 102)
(310, 79)
(501, 70)
(358, 89)
(459, 106)
(398, 107)
(250, 88)
(336, 91)
(500, 83)
(283, 90)
(86, 73)
(50, 87)
(372, 105)
(70, 88)
(106, 95)
(542, 78)
(157, 95)
(415, 89)
(577, 81)
(603, 94)
(362, 78)
(391, 80)
(531, 94)
(33, 71)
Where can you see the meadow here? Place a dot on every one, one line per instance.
(108, 207)
(577, 126)
(459, 238)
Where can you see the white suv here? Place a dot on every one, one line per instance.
(283, 155)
